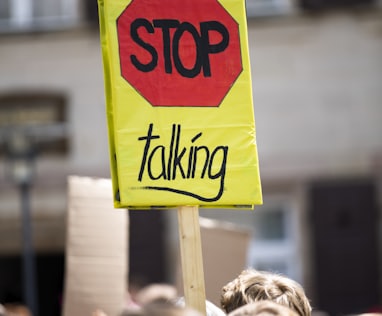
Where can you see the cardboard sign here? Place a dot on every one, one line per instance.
(179, 103)
(220, 238)
(96, 249)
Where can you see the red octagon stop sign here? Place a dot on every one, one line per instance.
(179, 52)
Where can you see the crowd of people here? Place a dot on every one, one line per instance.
(252, 292)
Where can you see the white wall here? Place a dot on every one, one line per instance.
(70, 64)
(317, 85)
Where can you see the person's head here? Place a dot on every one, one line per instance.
(252, 286)
(98, 312)
(161, 308)
(156, 292)
(2, 310)
(16, 310)
(263, 308)
(211, 308)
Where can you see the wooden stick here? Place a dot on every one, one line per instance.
(191, 258)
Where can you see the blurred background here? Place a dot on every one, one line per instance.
(317, 90)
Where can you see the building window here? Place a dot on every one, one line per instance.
(42, 116)
(37, 15)
(334, 4)
(275, 238)
(270, 224)
(259, 8)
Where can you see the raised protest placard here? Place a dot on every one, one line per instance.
(180, 113)
(179, 103)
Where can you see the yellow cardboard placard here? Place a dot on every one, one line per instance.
(179, 103)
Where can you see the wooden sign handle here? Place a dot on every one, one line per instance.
(191, 258)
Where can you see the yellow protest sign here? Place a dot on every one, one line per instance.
(179, 103)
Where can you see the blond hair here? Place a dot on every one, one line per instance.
(263, 308)
(252, 286)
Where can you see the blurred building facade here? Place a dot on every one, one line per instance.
(317, 89)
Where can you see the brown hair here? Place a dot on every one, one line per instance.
(252, 286)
